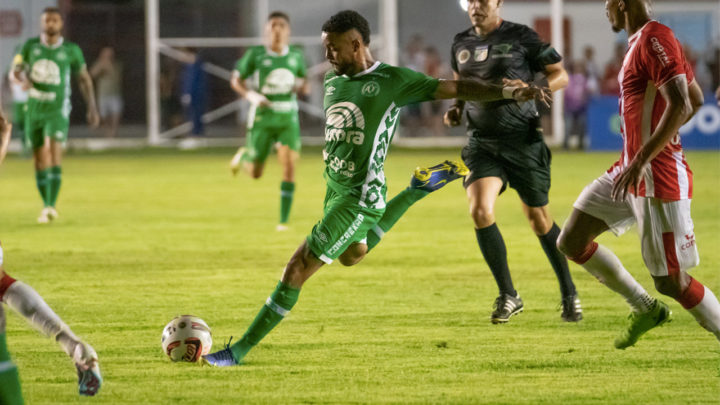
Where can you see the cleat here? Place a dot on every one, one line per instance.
(643, 322)
(88, 369)
(236, 161)
(506, 306)
(571, 309)
(281, 228)
(52, 213)
(435, 177)
(222, 358)
(44, 217)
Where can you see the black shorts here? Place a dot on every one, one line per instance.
(525, 166)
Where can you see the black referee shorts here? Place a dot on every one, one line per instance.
(524, 166)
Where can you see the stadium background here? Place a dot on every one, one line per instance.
(124, 26)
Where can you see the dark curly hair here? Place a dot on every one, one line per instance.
(346, 20)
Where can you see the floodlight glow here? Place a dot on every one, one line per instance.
(464, 5)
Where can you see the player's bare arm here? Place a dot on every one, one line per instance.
(5, 129)
(556, 76)
(453, 116)
(238, 84)
(86, 89)
(302, 87)
(678, 110)
(697, 99)
(472, 90)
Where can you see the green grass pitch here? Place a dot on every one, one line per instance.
(144, 236)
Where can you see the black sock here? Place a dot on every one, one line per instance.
(493, 249)
(558, 261)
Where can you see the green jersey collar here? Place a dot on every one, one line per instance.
(284, 51)
(43, 40)
(368, 70)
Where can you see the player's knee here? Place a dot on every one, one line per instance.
(256, 172)
(669, 286)
(353, 255)
(481, 216)
(564, 245)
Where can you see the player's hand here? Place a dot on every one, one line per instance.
(257, 99)
(93, 118)
(5, 128)
(453, 116)
(629, 179)
(26, 84)
(526, 92)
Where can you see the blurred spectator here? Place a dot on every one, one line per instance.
(577, 95)
(107, 73)
(433, 111)
(170, 107)
(414, 58)
(610, 84)
(713, 64)
(591, 69)
(194, 91)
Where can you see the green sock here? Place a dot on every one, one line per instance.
(10, 392)
(287, 190)
(42, 181)
(55, 179)
(395, 209)
(276, 307)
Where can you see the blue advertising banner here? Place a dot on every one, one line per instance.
(603, 125)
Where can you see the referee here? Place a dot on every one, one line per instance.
(505, 145)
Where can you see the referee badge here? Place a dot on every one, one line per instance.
(463, 56)
(481, 53)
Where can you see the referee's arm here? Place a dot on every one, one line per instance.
(556, 75)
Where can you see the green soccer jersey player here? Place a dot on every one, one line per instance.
(44, 66)
(363, 98)
(277, 72)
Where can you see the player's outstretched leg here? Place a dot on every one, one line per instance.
(423, 182)
(301, 266)
(24, 300)
(10, 391)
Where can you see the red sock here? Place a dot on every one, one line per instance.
(586, 254)
(5, 282)
(692, 295)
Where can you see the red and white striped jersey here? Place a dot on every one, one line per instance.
(654, 57)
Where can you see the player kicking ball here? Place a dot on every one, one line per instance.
(362, 102)
(44, 66)
(279, 73)
(651, 184)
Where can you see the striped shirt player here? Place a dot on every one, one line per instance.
(654, 57)
(651, 184)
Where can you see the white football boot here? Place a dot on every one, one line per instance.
(88, 369)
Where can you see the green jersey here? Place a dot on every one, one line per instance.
(361, 116)
(49, 69)
(273, 75)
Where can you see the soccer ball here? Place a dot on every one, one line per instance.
(186, 338)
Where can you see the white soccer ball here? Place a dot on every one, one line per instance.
(186, 338)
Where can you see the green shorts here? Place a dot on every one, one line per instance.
(525, 166)
(53, 127)
(267, 129)
(344, 223)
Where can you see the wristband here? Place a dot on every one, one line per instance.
(508, 91)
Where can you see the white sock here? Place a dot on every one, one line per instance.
(707, 313)
(607, 268)
(24, 300)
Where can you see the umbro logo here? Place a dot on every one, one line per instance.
(329, 91)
